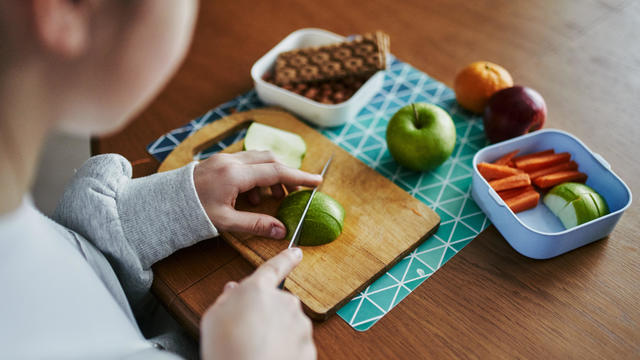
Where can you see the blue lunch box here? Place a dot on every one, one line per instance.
(537, 233)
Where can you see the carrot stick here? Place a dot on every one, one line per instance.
(523, 201)
(571, 165)
(541, 162)
(532, 155)
(506, 159)
(493, 171)
(547, 181)
(511, 182)
(508, 194)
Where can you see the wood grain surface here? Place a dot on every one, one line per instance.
(487, 301)
(383, 223)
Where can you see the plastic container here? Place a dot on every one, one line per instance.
(313, 111)
(537, 233)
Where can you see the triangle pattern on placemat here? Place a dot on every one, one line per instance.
(445, 189)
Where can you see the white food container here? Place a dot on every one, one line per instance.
(313, 111)
(537, 233)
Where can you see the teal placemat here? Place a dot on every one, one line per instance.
(446, 189)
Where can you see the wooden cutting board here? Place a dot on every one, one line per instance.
(383, 223)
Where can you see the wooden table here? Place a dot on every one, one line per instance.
(488, 301)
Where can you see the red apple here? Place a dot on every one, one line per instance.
(512, 112)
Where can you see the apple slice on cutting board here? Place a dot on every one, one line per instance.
(289, 148)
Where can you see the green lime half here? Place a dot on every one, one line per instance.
(575, 203)
(289, 148)
(324, 220)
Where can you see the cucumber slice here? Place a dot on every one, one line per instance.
(575, 204)
(289, 148)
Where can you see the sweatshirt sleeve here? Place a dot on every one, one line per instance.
(134, 222)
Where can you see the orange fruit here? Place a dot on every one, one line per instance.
(477, 82)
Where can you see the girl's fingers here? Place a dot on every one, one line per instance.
(254, 196)
(226, 291)
(292, 188)
(252, 223)
(277, 191)
(255, 157)
(272, 272)
(276, 173)
(230, 285)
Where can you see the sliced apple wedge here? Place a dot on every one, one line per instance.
(289, 148)
(575, 204)
(323, 223)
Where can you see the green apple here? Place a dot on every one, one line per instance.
(575, 204)
(289, 148)
(324, 220)
(421, 136)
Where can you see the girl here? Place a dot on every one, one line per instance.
(77, 285)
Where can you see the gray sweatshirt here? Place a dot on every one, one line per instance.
(120, 227)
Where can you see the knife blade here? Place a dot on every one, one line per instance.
(295, 238)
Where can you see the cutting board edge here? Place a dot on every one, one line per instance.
(254, 258)
(323, 314)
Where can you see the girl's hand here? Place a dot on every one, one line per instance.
(222, 177)
(255, 320)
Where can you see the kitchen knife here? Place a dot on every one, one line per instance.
(296, 234)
